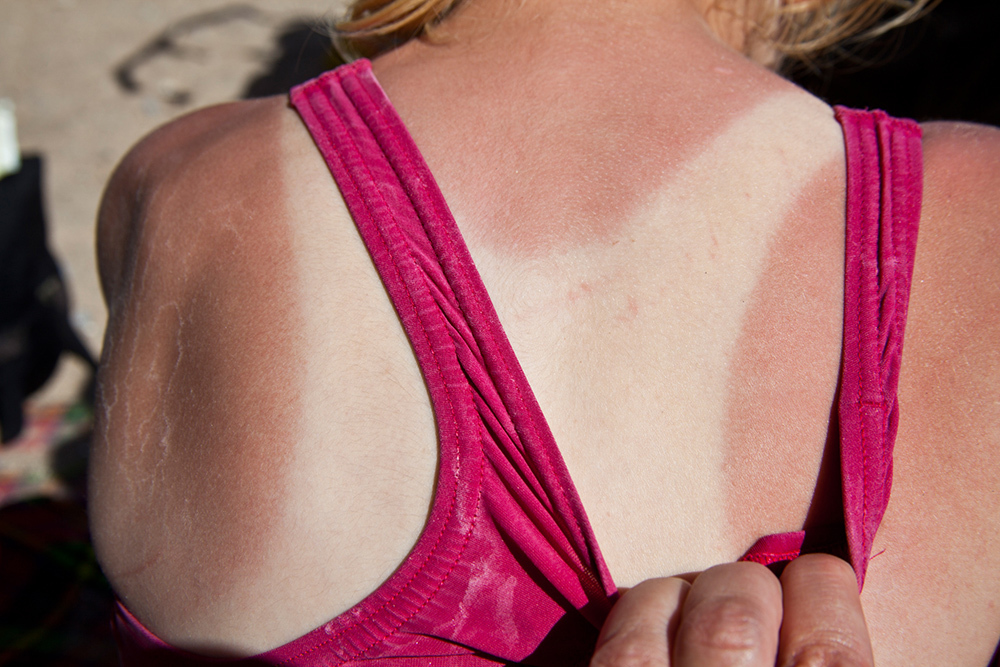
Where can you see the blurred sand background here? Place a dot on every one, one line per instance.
(90, 77)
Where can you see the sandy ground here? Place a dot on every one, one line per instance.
(90, 77)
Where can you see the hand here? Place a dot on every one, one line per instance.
(739, 614)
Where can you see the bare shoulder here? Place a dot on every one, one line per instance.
(191, 161)
(958, 254)
(955, 138)
(938, 551)
(957, 273)
(962, 169)
(201, 358)
(236, 405)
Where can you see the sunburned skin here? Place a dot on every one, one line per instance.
(200, 387)
(647, 323)
(785, 365)
(940, 523)
(619, 283)
(573, 163)
(618, 278)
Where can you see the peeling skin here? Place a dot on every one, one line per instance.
(229, 418)
(225, 458)
(197, 408)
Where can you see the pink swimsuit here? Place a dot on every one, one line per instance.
(507, 568)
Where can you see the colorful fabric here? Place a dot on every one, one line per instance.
(49, 457)
(55, 605)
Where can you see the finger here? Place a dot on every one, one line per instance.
(731, 616)
(824, 624)
(638, 629)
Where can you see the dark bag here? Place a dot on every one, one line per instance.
(34, 329)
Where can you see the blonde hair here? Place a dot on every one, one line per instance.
(774, 31)
(771, 30)
(371, 27)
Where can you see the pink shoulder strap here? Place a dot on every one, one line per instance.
(506, 569)
(505, 516)
(884, 185)
(884, 181)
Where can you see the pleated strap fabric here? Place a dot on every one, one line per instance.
(884, 186)
(504, 494)
(884, 182)
(507, 568)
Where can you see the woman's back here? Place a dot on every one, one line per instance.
(659, 224)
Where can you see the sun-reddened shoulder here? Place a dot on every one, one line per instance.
(181, 173)
(962, 182)
(960, 224)
(951, 366)
(943, 521)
